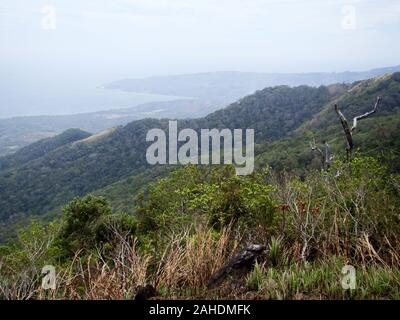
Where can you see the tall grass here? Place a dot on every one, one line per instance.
(321, 223)
(191, 259)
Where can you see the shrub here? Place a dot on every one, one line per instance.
(80, 229)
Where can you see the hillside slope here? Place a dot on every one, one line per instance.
(76, 169)
(280, 116)
(234, 85)
(207, 91)
(378, 135)
(41, 148)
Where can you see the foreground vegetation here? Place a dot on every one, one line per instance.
(41, 178)
(188, 225)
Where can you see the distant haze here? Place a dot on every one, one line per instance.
(58, 96)
(55, 54)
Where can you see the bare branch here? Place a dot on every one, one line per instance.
(347, 132)
(365, 115)
(315, 148)
(328, 156)
(346, 128)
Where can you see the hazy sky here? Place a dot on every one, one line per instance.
(55, 42)
(136, 38)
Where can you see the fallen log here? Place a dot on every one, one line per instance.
(145, 292)
(243, 261)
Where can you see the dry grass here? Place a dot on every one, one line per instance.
(189, 261)
(323, 224)
(324, 218)
(94, 278)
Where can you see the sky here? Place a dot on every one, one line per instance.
(103, 40)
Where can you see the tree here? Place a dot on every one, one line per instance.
(349, 131)
(326, 156)
(83, 221)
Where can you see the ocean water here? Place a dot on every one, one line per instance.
(29, 97)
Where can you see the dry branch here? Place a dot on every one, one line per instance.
(349, 131)
(326, 156)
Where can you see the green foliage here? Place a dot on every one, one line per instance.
(312, 226)
(356, 204)
(215, 195)
(367, 193)
(84, 224)
(299, 281)
(88, 223)
(256, 278)
(42, 147)
(23, 259)
(311, 220)
(279, 110)
(275, 253)
(322, 280)
(377, 136)
(287, 119)
(122, 194)
(56, 177)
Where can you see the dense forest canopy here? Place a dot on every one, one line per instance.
(98, 206)
(47, 174)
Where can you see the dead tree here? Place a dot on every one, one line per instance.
(349, 131)
(326, 156)
(146, 292)
(241, 263)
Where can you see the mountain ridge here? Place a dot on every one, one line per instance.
(75, 169)
(208, 91)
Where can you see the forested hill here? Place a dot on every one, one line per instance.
(41, 148)
(274, 112)
(238, 84)
(56, 176)
(360, 99)
(206, 92)
(378, 135)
